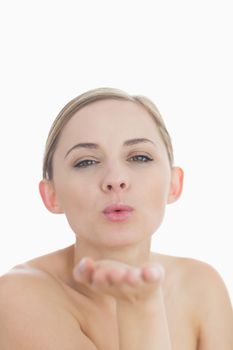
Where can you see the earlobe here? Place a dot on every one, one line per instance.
(49, 197)
(176, 187)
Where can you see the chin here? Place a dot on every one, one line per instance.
(119, 237)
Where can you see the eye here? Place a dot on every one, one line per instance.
(141, 158)
(85, 163)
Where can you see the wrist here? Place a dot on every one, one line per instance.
(146, 305)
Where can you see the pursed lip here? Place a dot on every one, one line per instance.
(117, 208)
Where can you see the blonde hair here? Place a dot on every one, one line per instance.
(91, 96)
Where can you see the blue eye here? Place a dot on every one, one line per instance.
(88, 162)
(85, 163)
(142, 158)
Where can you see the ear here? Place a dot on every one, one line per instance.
(49, 197)
(176, 186)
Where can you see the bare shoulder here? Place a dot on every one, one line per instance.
(202, 280)
(25, 281)
(193, 274)
(34, 313)
(205, 290)
(213, 305)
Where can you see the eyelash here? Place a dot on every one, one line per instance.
(85, 161)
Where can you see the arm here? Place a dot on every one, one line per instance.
(143, 325)
(32, 318)
(140, 309)
(216, 314)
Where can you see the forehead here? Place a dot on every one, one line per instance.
(109, 121)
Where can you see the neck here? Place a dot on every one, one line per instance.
(134, 255)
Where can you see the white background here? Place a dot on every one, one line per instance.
(178, 53)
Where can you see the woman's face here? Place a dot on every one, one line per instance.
(112, 166)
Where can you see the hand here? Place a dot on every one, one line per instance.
(119, 280)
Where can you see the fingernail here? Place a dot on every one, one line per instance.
(79, 268)
(157, 272)
(154, 272)
(82, 264)
(137, 272)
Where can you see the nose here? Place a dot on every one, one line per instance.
(114, 187)
(115, 183)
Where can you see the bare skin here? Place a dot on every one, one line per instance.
(186, 288)
(115, 300)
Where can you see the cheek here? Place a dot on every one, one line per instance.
(75, 201)
(79, 202)
(158, 190)
(70, 195)
(76, 205)
(156, 204)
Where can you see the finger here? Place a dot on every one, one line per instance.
(153, 273)
(99, 279)
(133, 276)
(116, 276)
(84, 270)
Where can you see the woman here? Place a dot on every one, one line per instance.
(108, 167)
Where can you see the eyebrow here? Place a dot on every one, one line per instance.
(90, 145)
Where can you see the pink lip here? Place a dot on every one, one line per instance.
(118, 212)
(117, 207)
